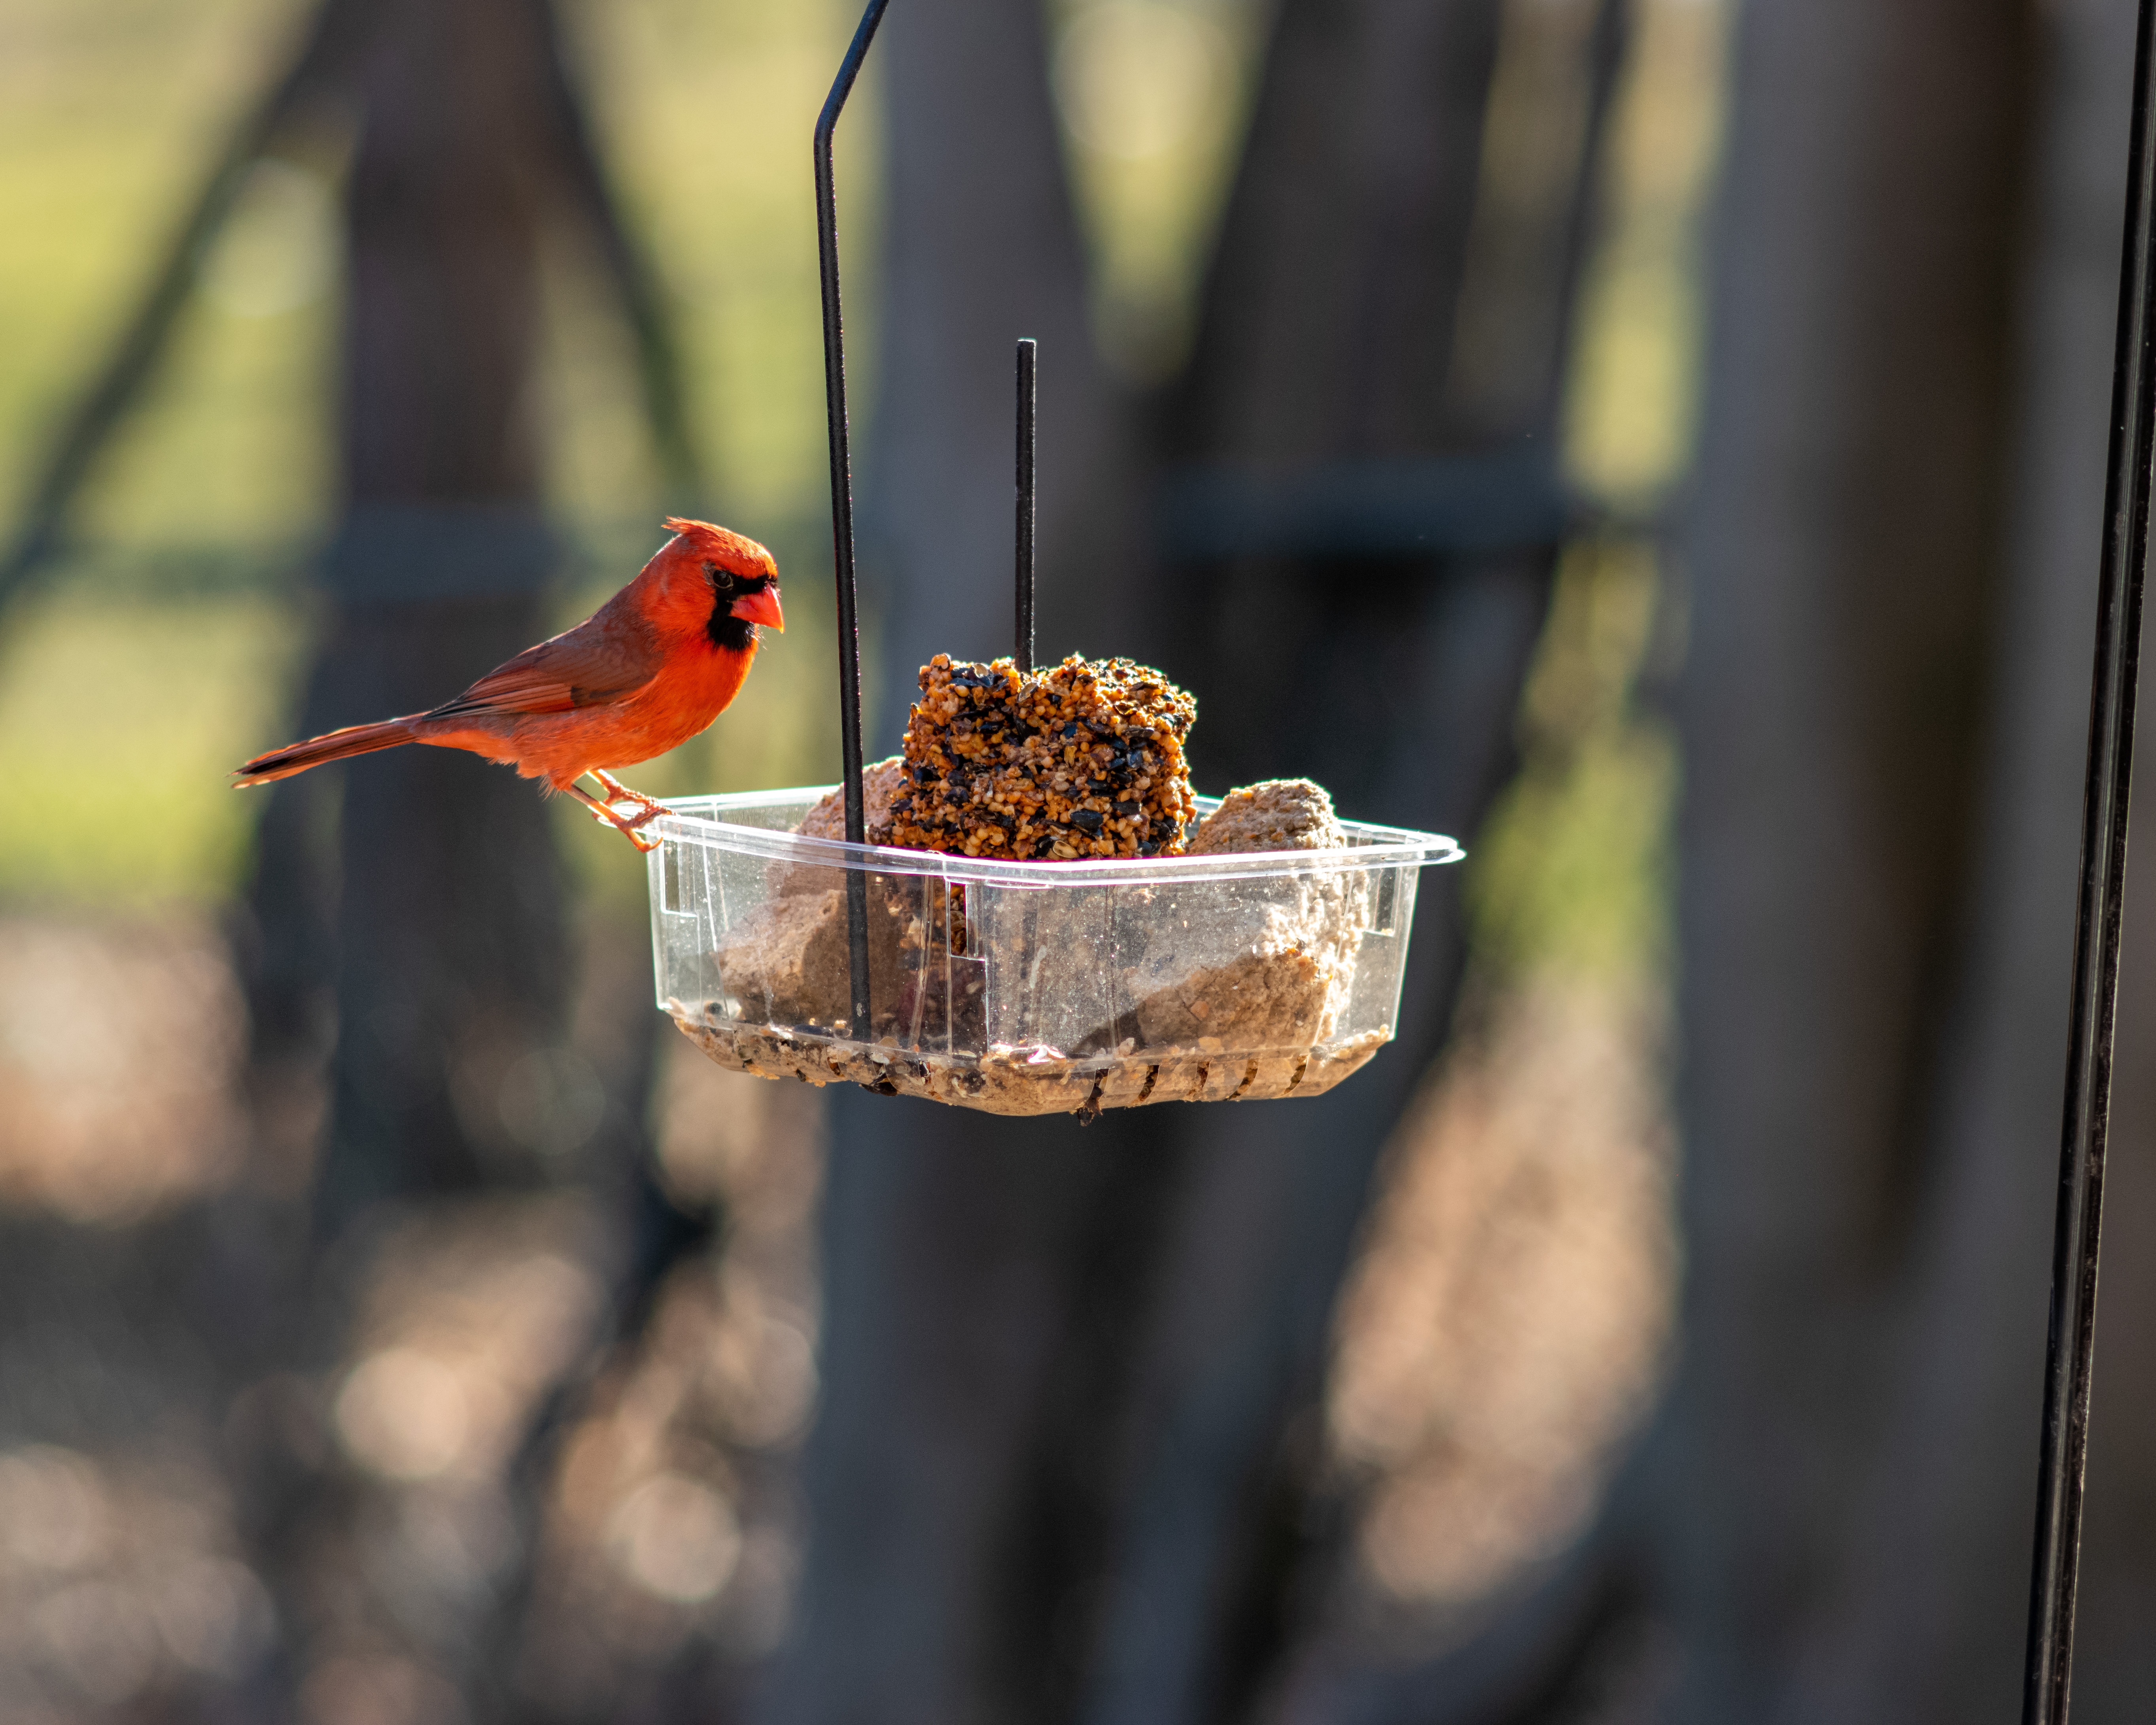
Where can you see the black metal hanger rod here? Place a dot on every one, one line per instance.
(1028, 401)
(2046, 1679)
(861, 1025)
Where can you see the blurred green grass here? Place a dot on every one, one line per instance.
(113, 719)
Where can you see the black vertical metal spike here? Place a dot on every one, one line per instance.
(1029, 400)
(860, 1024)
(2047, 1674)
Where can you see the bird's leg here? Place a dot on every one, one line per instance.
(647, 807)
(607, 817)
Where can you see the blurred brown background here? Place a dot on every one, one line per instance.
(1657, 441)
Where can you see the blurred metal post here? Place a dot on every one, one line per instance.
(2046, 1678)
(842, 512)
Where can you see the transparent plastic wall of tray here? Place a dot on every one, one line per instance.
(927, 993)
(1051, 961)
(701, 894)
(1374, 1000)
(1246, 964)
(684, 970)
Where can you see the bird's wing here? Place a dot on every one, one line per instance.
(585, 667)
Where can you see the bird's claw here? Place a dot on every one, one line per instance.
(629, 825)
(649, 809)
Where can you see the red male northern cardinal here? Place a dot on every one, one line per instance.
(652, 667)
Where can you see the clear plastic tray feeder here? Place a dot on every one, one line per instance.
(1031, 987)
(1014, 987)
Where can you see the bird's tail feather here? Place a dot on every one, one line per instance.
(316, 750)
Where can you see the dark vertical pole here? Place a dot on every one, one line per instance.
(860, 1025)
(2046, 1680)
(437, 564)
(1028, 401)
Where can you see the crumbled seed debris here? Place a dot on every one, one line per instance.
(1031, 1080)
(1083, 759)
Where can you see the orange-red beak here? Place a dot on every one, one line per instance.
(760, 607)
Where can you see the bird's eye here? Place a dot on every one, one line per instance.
(719, 578)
